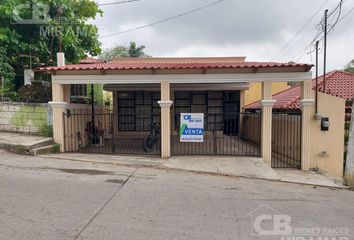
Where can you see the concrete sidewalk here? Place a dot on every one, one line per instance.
(227, 166)
(308, 178)
(248, 167)
(15, 142)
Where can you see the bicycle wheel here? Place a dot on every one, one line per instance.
(149, 144)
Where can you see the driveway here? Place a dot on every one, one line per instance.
(59, 199)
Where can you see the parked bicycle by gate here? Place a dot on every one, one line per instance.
(109, 133)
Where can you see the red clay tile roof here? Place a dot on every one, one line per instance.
(193, 63)
(338, 83)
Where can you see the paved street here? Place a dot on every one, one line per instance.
(58, 199)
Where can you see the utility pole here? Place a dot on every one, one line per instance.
(325, 50)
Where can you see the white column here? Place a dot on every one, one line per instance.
(306, 104)
(267, 108)
(165, 105)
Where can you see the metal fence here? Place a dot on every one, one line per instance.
(109, 133)
(233, 133)
(286, 139)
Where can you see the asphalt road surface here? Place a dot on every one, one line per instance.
(57, 199)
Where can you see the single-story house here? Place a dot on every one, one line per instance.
(182, 106)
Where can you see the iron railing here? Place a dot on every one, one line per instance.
(236, 134)
(103, 133)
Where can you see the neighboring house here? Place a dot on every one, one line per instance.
(338, 83)
(149, 92)
(254, 93)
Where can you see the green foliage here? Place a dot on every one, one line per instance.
(39, 42)
(123, 51)
(56, 148)
(349, 67)
(98, 94)
(46, 130)
(7, 74)
(35, 93)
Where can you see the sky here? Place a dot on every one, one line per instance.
(261, 30)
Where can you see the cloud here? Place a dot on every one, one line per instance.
(257, 29)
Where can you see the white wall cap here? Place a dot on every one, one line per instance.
(58, 104)
(307, 102)
(165, 104)
(268, 103)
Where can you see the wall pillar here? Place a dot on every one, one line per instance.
(267, 108)
(61, 97)
(59, 93)
(306, 107)
(165, 105)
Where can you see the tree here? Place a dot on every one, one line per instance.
(31, 32)
(349, 67)
(123, 51)
(135, 51)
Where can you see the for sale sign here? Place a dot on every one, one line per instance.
(192, 127)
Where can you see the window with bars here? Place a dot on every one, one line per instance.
(137, 110)
(218, 107)
(79, 90)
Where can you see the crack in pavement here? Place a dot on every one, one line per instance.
(104, 205)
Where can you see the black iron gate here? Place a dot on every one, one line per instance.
(109, 133)
(286, 139)
(232, 133)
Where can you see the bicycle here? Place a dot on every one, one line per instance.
(153, 139)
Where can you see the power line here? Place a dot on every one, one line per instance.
(330, 30)
(115, 3)
(335, 9)
(342, 34)
(301, 29)
(338, 21)
(332, 25)
(165, 19)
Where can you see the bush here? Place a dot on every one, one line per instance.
(35, 93)
(56, 148)
(46, 130)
